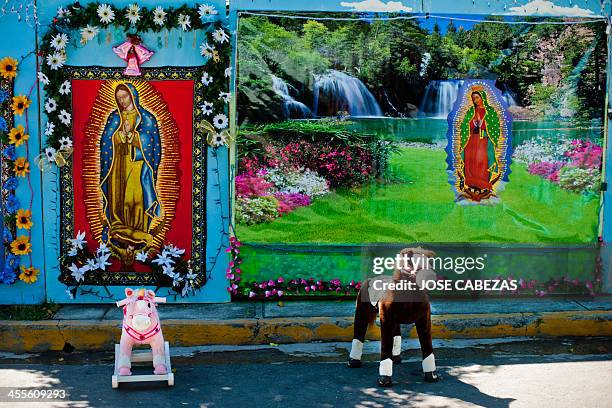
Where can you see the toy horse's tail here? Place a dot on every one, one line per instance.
(365, 313)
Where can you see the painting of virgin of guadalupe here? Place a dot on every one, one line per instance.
(479, 143)
(130, 153)
(130, 169)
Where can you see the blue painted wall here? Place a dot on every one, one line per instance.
(19, 39)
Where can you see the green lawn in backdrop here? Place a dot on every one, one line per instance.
(420, 208)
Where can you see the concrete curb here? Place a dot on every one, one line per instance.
(89, 335)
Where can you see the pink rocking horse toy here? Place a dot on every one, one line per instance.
(141, 325)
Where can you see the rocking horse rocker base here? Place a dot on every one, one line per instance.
(143, 356)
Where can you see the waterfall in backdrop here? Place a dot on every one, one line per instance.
(292, 109)
(336, 91)
(440, 96)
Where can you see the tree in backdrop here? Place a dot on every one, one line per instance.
(546, 66)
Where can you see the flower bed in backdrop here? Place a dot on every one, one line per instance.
(278, 287)
(574, 165)
(283, 166)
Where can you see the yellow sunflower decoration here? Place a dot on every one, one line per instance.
(21, 245)
(17, 136)
(24, 219)
(8, 67)
(29, 275)
(21, 167)
(20, 104)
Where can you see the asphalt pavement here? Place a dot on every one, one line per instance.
(518, 372)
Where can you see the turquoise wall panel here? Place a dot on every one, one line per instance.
(21, 44)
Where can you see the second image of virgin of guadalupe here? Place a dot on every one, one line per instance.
(480, 131)
(130, 153)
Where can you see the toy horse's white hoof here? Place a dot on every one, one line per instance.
(125, 371)
(160, 369)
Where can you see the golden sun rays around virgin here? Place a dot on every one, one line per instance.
(166, 184)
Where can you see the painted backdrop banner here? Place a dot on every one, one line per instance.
(343, 129)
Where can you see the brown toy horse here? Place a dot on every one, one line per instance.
(396, 307)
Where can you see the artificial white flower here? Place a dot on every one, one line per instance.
(220, 36)
(162, 259)
(218, 140)
(225, 96)
(77, 272)
(141, 256)
(207, 50)
(79, 241)
(56, 60)
(62, 12)
(207, 108)
(176, 279)
(159, 15)
(49, 127)
(92, 265)
(106, 13)
(206, 79)
(184, 21)
(228, 72)
(50, 105)
(65, 88)
(50, 153)
(168, 270)
(186, 289)
(174, 251)
(59, 41)
(65, 143)
(102, 261)
(220, 121)
(65, 117)
(206, 10)
(43, 78)
(88, 33)
(102, 249)
(133, 13)
(73, 251)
